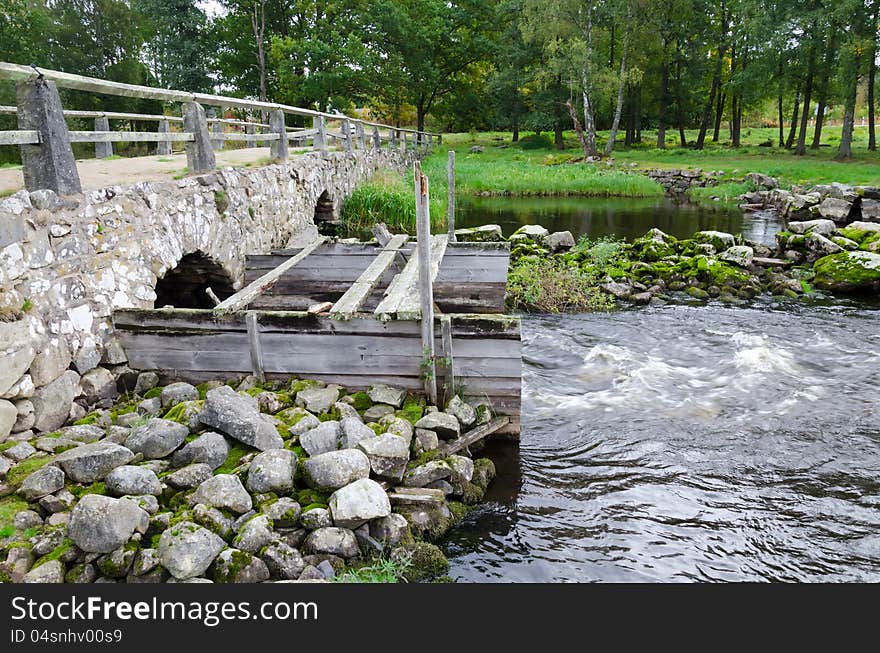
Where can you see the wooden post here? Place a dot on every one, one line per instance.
(377, 139)
(199, 154)
(426, 289)
(103, 150)
(320, 140)
(448, 363)
(163, 148)
(346, 132)
(278, 148)
(49, 165)
(256, 348)
(217, 128)
(450, 196)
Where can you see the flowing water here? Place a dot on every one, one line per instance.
(689, 443)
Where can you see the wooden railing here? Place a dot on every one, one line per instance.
(44, 137)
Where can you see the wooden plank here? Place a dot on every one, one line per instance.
(127, 137)
(474, 435)
(450, 196)
(317, 309)
(20, 137)
(355, 296)
(425, 300)
(243, 297)
(254, 346)
(402, 299)
(251, 138)
(416, 495)
(448, 359)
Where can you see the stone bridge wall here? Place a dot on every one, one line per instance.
(66, 263)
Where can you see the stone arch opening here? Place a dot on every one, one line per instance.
(325, 216)
(185, 286)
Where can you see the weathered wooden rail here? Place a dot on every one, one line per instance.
(45, 139)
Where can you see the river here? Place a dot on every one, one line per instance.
(688, 443)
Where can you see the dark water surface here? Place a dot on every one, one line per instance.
(685, 443)
(624, 218)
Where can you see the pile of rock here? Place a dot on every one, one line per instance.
(272, 482)
(840, 203)
(679, 181)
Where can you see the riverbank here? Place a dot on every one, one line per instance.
(238, 482)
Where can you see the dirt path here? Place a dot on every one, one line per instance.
(98, 173)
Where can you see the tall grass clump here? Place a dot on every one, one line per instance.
(383, 570)
(721, 196)
(551, 285)
(388, 198)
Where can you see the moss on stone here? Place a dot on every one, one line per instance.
(8, 507)
(91, 418)
(459, 511)
(153, 393)
(80, 491)
(361, 401)
(56, 553)
(412, 410)
(26, 467)
(848, 271)
(236, 452)
(227, 571)
(425, 561)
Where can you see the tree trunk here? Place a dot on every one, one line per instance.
(794, 119)
(817, 131)
(637, 115)
(557, 136)
(716, 83)
(664, 92)
(801, 148)
(258, 23)
(852, 73)
(615, 123)
(779, 107)
(589, 130)
(585, 145)
(679, 110)
(719, 114)
(872, 72)
(420, 116)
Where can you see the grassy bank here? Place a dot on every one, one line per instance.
(388, 197)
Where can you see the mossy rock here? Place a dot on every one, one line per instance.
(412, 410)
(697, 293)
(153, 393)
(426, 561)
(848, 272)
(361, 401)
(311, 498)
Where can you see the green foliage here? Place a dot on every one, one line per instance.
(232, 459)
(383, 570)
(550, 285)
(387, 198)
(8, 507)
(22, 470)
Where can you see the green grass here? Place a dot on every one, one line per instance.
(380, 571)
(10, 166)
(8, 507)
(725, 193)
(388, 198)
(26, 467)
(549, 285)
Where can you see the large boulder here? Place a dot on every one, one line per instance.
(272, 471)
(131, 479)
(718, 239)
(46, 480)
(317, 400)
(321, 439)
(385, 394)
(157, 438)
(8, 418)
(834, 209)
(16, 353)
(848, 272)
(100, 524)
(283, 561)
(223, 491)
(824, 227)
(176, 393)
(388, 455)
(443, 424)
(359, 502)
(88, 463)
(435, 470)
(559, 241)
(239, 418)
(186, 550)
(51, 571)
(740, 255)
(353, 431)
(237, 566)
(335, 469)
(209, 448)
(52, 402)
(333, 541)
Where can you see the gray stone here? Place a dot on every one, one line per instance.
(82, 574)
(444, 425)
(434, 470)
(385, 394)
(399, 427)
(346, 411)
(871, 210)
(239, 418)
(25, 519)
(388, 455)
(272, 471)
(317, 400)
(199, 152)
(98, 384)
(463, 411)
(49, 164)
(559, 241)
(145, 561)
(38, 484)
(316, 518)
(145, 381)
(483, 233)
(83, 432)
(209, 448)
(24, 419)
(824, 227)
(865, 226)
(353, 431)
(462, 472)
(187, 413)
(389, 530)
(100, 524)
(283, 561)
(130, 479)
(255, 534)
(223, 491)
(299, 420)
(533, 232)
(443, 485)
(186, 550)
(189, 476)
(284, 512)
(322, 438)
(821, 245)
(20, 451)
(718, 239)
(335, 541)
(5, 466)
(425, 441)
(834, 209)
(150, 407)
(117, 563)
(740, 255)
(16, 353)
(214, 520)
(51, 571)
(52, 402)
(9, 417)
(146, 502)
(92, 462)
(335, 469)
(176, 393)
(311, 574)
(157, 438)
(237, 566)
(358, 503)
(377, 412)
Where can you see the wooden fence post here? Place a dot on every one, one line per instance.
(450, 196)
(163, 148)
(426, 289)
(217, 128)
(103, 150)
(278, 149)
(199, 154)
(320, 140)
(49, 165)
